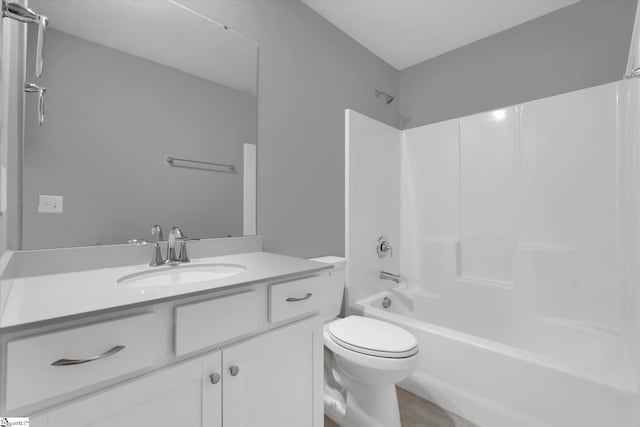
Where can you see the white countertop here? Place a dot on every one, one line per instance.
(27, 300)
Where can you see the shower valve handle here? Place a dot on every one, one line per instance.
(383, 247)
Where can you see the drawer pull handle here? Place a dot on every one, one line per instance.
(306, 297)
(234, 370)
(66, 362)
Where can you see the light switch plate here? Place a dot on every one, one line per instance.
(50, 204)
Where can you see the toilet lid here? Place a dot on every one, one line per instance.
(373, 337)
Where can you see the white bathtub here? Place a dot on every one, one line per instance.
(498, 372)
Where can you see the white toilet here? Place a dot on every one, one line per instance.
(364, 359)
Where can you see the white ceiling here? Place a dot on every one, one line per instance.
(162, 31)
(406, 32)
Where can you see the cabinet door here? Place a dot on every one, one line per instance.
(278, 381)
(179, 395)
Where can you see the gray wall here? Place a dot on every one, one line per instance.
(112, 119)
(309, 73)
(582, 45)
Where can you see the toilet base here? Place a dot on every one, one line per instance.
(372, 406)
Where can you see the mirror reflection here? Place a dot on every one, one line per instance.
(148, 111)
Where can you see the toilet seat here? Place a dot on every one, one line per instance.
(372, 337)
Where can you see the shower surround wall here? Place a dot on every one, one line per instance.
(532, 205)
(516, 227)
(372, 201)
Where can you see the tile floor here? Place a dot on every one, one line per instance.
(417, 412)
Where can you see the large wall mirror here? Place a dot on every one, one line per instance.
(129, 86)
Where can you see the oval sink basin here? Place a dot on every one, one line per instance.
(181, 275)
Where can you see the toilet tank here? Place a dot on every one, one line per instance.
(334, 290)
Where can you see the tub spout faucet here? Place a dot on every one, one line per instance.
(389, 276)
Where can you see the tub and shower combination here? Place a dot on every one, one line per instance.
(536, 372)
(516, 233)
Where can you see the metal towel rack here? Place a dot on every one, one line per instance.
(205, 166)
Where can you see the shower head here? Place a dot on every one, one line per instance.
(388, 99)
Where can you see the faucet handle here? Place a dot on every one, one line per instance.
(182, 255)
(383, 247)
(176, 233)
(157, 252)
(157, 256)
(156, 231)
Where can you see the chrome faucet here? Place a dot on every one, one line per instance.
(389, 276)
(157, 258)
(176, 236)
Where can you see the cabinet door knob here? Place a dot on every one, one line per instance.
(234, 370)
(215, 378)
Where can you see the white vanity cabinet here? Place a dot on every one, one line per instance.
(271, 380)
(246, 357)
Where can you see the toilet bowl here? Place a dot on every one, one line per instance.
(364, 359)
(368, 357)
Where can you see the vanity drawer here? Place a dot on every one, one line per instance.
(205, 324)
(94, 353)
(295, 298)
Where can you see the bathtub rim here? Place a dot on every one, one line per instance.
(364, 306)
